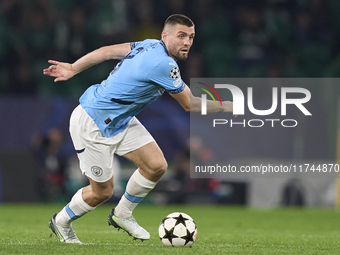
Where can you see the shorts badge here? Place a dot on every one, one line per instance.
(96, 171)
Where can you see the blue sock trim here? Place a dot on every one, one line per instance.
(133, 199)
(71, 213)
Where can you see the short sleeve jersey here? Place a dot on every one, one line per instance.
(138, 79)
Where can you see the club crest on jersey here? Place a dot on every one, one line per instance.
(174, 73)
(96, 171)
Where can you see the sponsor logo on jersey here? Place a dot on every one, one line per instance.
(177, 82)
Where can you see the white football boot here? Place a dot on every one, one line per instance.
(130, 225)
(64, 234)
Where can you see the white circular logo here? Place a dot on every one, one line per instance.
(96, 171)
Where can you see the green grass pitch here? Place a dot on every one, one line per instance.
(221, 230)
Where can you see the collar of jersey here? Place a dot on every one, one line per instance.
(163, 44)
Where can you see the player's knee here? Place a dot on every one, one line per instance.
(160, 168)
(103, 194)
(164, 166)
(107, 194)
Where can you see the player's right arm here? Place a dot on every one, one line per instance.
(64, 71)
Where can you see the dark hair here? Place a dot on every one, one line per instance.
(178, 19)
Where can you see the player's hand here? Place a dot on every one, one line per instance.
(62, 71)
(228, 107)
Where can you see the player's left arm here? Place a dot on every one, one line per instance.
(64, 71)
(190, 103)
(167, 74)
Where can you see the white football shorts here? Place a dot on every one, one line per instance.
(96, 152)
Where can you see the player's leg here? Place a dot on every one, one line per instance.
(151, 166)
(139, 147)
(150, 161)
(96, 161)
(97, 192)
(85, 200)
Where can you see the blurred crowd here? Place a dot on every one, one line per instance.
(235, 38)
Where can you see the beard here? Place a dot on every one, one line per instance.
(183, 56)
(177, 54)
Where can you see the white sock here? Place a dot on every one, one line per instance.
(136, 189)
(73, 210)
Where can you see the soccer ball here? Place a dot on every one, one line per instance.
(177, 229)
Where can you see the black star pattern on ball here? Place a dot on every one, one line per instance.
(189, 237)
(164, 220)
(180, 219)
(169, 234)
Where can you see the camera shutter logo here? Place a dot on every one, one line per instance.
(204, 97)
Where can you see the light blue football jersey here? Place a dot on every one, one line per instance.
(138, 79)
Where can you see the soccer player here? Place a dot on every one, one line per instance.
(104, 123)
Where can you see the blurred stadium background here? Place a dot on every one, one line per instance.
(235, 38)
